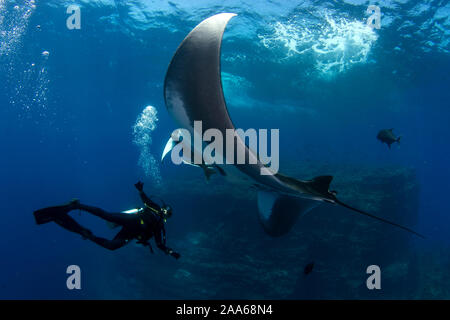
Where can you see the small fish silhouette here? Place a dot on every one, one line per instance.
(387, 136)
(308, 268)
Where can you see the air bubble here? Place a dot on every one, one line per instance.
(143, 129)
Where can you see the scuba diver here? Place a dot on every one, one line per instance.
(140, 224)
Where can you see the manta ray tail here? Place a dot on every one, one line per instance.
(321, 185)
(278, 213)
(378, 218)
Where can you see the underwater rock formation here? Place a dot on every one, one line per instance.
(226, 254)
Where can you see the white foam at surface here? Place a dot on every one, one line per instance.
(336, 44)
(256, 15)
(391, 4)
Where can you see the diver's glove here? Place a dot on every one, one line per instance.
(174, 254)
(139, 186)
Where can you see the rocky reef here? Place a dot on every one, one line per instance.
(226, 254)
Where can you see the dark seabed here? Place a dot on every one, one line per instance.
(83, 116)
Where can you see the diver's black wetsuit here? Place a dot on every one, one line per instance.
(143, 225)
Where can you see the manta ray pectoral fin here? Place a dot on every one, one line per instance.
(278, 213)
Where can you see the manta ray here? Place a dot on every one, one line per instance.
(193, 92)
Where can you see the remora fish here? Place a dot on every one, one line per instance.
(208, 168)
(193, 92)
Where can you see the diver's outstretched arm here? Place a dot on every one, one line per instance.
(147, 200)
(140, 187)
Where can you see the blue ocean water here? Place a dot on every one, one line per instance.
(76, 123)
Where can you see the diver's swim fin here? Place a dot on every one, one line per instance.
(49, 214)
